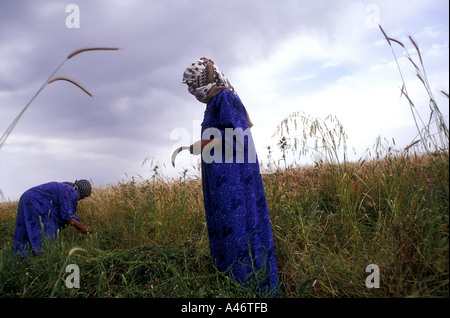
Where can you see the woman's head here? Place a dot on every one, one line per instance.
(204, 79)
(83, 188)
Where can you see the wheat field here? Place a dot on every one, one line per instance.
(149, 237)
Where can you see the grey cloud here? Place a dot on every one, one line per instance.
(138, 97)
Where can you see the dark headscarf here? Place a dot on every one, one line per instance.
(83, 188)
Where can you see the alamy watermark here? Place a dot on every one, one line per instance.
(373, 279)
(73, 19)
(230, 145)
(373, 16)
(73, 279)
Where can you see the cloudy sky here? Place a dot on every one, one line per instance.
(317, 57)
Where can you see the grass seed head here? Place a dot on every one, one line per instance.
(70, 81)
(91, 49)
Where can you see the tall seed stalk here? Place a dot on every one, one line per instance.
(426, 137)
(49, 81)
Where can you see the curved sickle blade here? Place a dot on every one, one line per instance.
(176, 152)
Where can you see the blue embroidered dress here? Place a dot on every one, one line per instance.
(43, 210)
(237, 216)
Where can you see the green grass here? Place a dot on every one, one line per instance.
(150, 237)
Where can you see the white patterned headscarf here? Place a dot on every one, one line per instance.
(202, 76)
(204, 80)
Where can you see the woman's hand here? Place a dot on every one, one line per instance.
(197, 147)
(80, 227)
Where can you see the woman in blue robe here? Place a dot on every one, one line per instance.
(44, 210)
(237, 215)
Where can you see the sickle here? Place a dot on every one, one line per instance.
(176, 152)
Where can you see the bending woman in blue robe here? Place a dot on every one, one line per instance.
(45, 209)
(237, 216)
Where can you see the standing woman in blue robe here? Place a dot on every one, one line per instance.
(237, 215)
(45, 209)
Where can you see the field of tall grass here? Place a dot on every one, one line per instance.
(330, 220)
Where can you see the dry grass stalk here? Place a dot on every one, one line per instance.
(388, 39)
(15, 121)
(71, 81)
(91, 49)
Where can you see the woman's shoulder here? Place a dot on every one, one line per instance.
(227, 94)
(227, 98)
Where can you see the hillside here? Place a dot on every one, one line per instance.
(329, 223)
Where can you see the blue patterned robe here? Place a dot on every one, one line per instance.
(237, 216)
(43, 210)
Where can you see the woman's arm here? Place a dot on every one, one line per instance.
(80, 227)
(198, 146)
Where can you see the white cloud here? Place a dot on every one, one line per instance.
(358, 81)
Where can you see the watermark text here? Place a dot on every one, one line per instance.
(73, 279)
(73, 19)
(373, 280)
